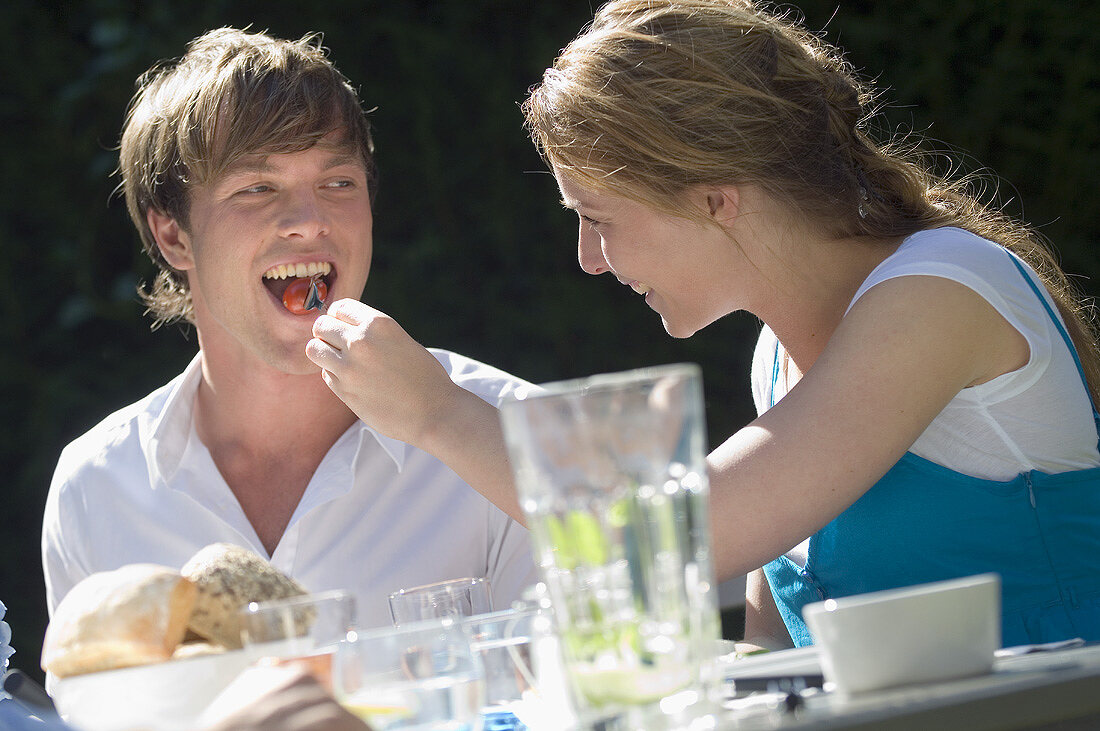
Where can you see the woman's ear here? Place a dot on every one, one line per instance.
(724, 204)
(174, 243)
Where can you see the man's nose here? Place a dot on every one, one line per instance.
(590, 251)
(303, 217)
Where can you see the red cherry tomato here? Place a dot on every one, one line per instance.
(294, 297)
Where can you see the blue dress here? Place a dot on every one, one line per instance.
(924, 522)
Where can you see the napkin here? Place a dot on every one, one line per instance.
(1045, 647)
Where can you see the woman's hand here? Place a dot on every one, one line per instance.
(388, 379)
(396, 386)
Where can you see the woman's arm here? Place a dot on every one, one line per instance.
(905, 349)
(764, 626)
(397, 387)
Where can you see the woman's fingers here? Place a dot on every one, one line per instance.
(353, 312)
(329, 379)
(331, 331)
(324, 355)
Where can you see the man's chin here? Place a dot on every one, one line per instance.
(302, 366)
(290, 360)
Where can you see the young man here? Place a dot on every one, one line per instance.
(248, 165)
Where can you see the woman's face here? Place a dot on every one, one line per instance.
(680, 266)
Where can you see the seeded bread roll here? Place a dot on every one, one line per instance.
(228, 577)
(134, 615)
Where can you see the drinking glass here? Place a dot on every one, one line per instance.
(503, 643)
(611, 476)
(455, 598)
(422, 676)
(304, 628)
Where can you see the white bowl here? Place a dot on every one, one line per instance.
(167, 696)
(929, 632)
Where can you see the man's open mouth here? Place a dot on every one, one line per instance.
(278, 278)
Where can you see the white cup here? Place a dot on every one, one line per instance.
(917, 634)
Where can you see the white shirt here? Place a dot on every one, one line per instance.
(1037, 417)
(378, 515)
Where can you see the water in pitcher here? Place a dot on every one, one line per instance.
(628, 572)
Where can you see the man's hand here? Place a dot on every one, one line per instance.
(388, 379)
(297, 703)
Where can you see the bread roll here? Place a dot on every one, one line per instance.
(228, 577)
(197, 649)
(134, 615)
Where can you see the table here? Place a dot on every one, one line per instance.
(1055, 689)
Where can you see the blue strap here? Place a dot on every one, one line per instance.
(1058, 324)
(775, 374)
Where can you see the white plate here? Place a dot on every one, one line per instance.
(799, 661)
(168, 696)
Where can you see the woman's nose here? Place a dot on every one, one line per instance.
(590, 251)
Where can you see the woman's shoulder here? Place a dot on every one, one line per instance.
(949, 253)
(947, 245)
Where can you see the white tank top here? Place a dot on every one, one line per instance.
(1038, 417)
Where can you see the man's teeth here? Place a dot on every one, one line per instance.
(298, 270)
(639, 288)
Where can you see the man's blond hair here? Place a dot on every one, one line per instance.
(233, 93)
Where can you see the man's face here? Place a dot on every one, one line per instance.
(264, 215)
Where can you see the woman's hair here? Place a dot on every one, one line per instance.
(232, 94)
(656, 97)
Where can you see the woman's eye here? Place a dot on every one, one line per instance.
(589, 221)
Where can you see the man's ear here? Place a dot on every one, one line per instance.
(174, 243)
(724, 204)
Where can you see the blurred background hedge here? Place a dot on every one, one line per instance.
(473, 252)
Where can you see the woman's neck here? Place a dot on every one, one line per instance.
(813, 282)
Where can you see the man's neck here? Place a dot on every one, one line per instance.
(267, 432)
(263, 410)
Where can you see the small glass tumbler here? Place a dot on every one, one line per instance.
(422, 675)
(455, 598)
(503, 642)
(302, 629)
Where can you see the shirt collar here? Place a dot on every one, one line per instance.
(164, 437)
(396, 450)
(165, 434)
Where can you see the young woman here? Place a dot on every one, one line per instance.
(925, 377)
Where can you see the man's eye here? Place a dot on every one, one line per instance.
(260, 188)
(341, 184)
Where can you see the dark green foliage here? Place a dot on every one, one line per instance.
(473, 252)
